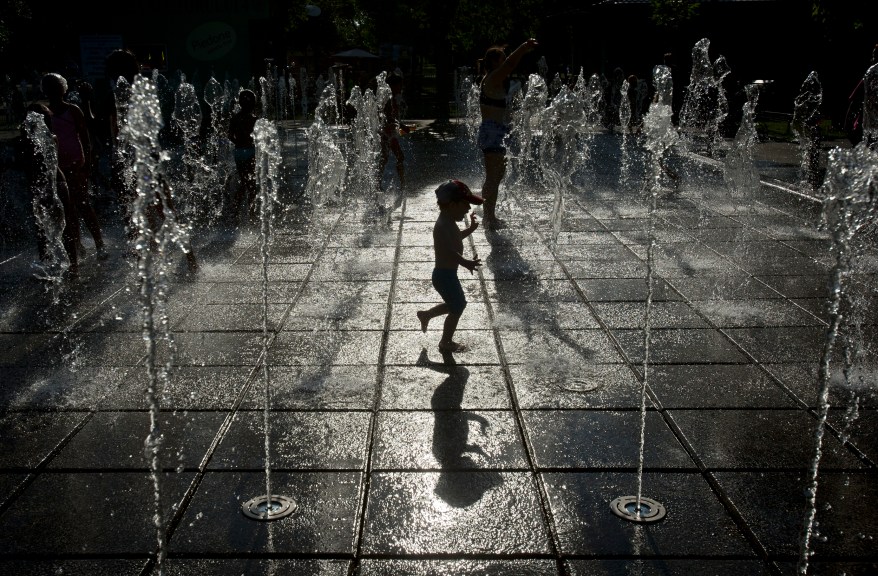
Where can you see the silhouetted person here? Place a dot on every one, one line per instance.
(495, 121)
(241, 134)
(454, 199)
(391, 130)
(74, 152)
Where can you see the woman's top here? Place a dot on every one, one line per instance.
(493, 100)
(488, 101)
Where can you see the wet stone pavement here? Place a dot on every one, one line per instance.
(503, 459)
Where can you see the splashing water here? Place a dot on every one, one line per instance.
(47, 206)
(525, 133)
(560, 127)
(365, 152)
(327, 165)
(661, 135)
(850, 213)
(805, 125)
(740, 173)
(702, 111)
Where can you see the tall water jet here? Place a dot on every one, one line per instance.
(592, 97)
(660, 133)
(154, 223)
(217, 155)
(721, 70)
(595, 102)
(625, 115)
(304, 84)
(806, 127)
(660, 137)
(267, 506)
(850, 214)
(186, 119)
(294, 93)
(473, 116)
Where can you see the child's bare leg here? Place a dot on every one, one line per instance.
(426, 315)
(447, 343)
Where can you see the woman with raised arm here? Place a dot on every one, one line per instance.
(497, 67)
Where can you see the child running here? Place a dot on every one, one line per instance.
(454, 199)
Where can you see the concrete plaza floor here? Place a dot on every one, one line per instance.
(503, 459)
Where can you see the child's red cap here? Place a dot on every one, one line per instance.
(454, 191)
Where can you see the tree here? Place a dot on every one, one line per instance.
(672, 14)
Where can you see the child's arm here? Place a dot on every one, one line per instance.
(447, 246)
(473, 224)
(470, 265)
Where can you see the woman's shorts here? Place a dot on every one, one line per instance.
(448, 286)
(492, 135)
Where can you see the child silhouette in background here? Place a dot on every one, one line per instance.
(241, 134)
(392, 130)
(454, 199)
(74, 152)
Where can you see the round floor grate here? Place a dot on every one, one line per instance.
(626, 507)
(578, 384)
(259, 508)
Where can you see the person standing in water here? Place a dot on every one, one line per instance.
(495, 122)
(74, 152)
(241, 134)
